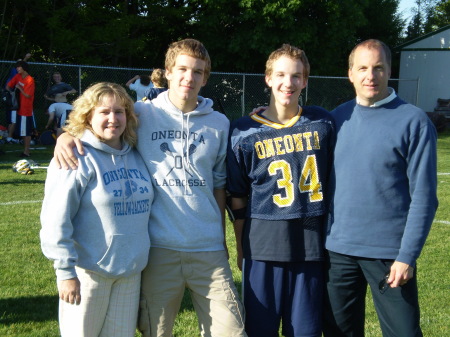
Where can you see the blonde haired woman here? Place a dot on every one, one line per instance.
(95, 219)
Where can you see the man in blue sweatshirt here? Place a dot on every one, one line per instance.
(384, 201)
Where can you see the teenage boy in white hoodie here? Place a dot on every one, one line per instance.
(183, 142)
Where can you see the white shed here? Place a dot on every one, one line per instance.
(426, 58)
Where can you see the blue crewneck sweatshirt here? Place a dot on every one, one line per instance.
(384, 181)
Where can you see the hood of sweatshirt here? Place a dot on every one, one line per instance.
(89, 139)
(204, 105)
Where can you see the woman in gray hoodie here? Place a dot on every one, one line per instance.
(95, 219)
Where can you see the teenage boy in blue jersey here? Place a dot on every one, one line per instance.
(384, 201)
(278, 163)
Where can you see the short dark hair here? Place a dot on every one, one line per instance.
(24, 65)
(145, 79)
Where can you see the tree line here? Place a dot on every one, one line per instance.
(239, 34)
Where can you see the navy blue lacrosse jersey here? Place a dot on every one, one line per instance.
(283, 170)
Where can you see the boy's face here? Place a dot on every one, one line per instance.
(57, 78)
(286, 81)
(186, 78)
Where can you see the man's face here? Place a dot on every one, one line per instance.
(370, 74)
(186, 78)
(286, 81)
(57, 78)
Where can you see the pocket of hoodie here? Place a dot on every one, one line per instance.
(126, 254)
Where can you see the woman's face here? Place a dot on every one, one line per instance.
(109, 120)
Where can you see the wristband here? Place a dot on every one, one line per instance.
(239, 214)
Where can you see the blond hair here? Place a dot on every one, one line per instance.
(83, 107)
(190, 47)
(158, 78)
(293, 53)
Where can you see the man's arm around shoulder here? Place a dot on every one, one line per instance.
(64, 154)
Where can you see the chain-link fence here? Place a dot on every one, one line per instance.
(234, 94)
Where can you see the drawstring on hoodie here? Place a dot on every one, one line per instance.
(204, 107)
(185, 149)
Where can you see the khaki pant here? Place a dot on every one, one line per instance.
(108, 307)
(208, 277)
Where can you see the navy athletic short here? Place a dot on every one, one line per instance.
(287, 292)
(25, 125)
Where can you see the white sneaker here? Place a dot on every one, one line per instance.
(10, 140)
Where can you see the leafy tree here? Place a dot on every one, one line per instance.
(386, 25)
(429, 16)
(437, 16)
(415, 26)
(326, 30)
(239, 34)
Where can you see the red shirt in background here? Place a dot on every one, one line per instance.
(25, 103)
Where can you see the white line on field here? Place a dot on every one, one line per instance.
(31, 148)
(20, 202)
(443, 173)
(39, 201)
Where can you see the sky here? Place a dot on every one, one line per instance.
(405, 8)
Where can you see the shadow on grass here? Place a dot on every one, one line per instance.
(16, 182)
(28, 309)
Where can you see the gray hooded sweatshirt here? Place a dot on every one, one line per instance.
(96, 217)
(185, 154)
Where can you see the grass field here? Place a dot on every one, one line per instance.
(28, 296)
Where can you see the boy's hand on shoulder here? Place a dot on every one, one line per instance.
(257, 110)
(64, 154)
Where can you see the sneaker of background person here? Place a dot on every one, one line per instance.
(10, 140)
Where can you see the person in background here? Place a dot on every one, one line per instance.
(59, 90)
(160, 84)
(140, 84)
(13, 70)
(24, 83)
(278, 165)
(95, 219)
(385, 181)
(58, 113)
(12, 99)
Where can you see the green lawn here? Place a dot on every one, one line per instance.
(28, 296)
